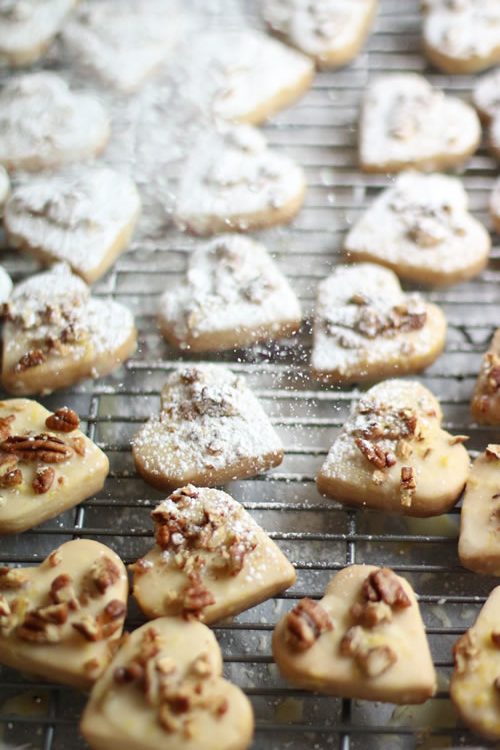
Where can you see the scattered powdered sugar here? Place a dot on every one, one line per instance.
(486, 95)
(463, 29)
(26, 25)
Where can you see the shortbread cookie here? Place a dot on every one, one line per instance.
(332, 32)
(62, 619)
(486, 97)
(421, 229)
(244, 76)
(365, 639)
(4, 187)
(475, 682)
(233, 182)
(55, 333)
(233, 295)
(486, 399)
(211, 429)
(125, 48)
(27, 28)
(45, 125)
(46, 464)
(405, 122)
(211, 559)
(366, 327)
(84, 216)
(164, 689)
(393, 455)
(462, 36)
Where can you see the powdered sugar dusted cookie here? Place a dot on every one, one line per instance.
(46, 464)
(234, 182)
(56, 333)
(232, 296)
(62, 619)
(5, 285)
(486, 398)
(405, 122)
(211, 559)
(164, 689)
(365, 639)
(27, 27)
(486, 97)
(332, 32)
(393, 455)
(245, 76)
(84, 216)
(123, 48)
(45, 125)
(366, 327)
(462, 36)
(421, 229)
(211, 429)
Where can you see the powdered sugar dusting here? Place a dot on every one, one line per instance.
(26, 25)
(462, 29)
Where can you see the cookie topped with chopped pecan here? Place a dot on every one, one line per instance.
(486, 398)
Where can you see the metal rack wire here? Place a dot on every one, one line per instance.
(320, 536)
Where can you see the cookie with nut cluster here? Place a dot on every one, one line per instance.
(166, 679)
(211, 429)
(366, 327)
(392, 454)
(421, 229)
(485, 403)
(233, 295)
(406, 123)
(27, 28)
(62, 619)
(211, 560)
(364, 639)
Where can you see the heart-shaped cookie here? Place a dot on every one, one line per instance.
(62, 619)
(486, 399)
(211, 559)
(233, 182)
(211, 429)
(366, 327)
(46, 464)
(393, 455)
(84, 216)
(461, 36)
(421, 229)
(44, 125)
(55, 333)
(233, 295)
(27, 27)
(332, 32)
(164, 689)
(365, 639)
(405, 122)
(486, 98)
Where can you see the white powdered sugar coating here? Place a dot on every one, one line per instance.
(232, 174)
(405, 120)
(44, 124)
(486, 95)
(422, 222)
(5, 285)
(463, 29)
(123, 46)
(26, 25)
(75, 215)
(4, 186)
(231, 283)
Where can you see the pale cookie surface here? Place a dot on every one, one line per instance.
(84, 216)
(211, 559)
(475, 682)
(405, 122)
(244, 76)
(332, 32)
(62, 619)
(27, 27)
(365, 639)
(393, 455)
(232, 182)
(486, 98)
(46, 464)
(123, 48)
(421, 229)
(462, 36)
(211, 429)
(45, 125)
(486, 398)
(55, 333)
(233, 295)
(164, 689)
(366, 327)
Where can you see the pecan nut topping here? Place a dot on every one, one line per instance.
(408, 485)
(376, 661)
(383, 585)
(305, 623)
(43, 479)
(376, 455)
(11, 478)
(5, 426)
(196, 597)
(44, 447)
(104, 573)
(63, 420)
(31, 359)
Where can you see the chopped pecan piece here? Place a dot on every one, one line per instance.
(408, 485)
(5, 423)
(63, 420)
(133, 672)
(54, 559)
(493, 451)
(352, 642)
(47, 634)
(62, 591)
(465, 652)
(89, 628)
(496, 684)
(383, 585)
(196, 597)
(376, 661)
(457, 439)
(495, 638)
(31, 359)
(78, 445)
(369, 614)
(43, 479)
(104, 573)
(376, 455)
(12, 578)
(305, 623)
(56, 614)
(11, 478)
(44, 447)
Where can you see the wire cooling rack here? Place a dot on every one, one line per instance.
(320, 536)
